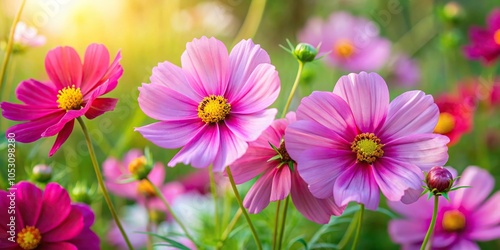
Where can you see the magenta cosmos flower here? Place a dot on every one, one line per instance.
(73, 90)
(277, 179)
(351, 143)
(456, 116)
(44, 220)
(353, 43)
(466, 218)
(213, 105)
(485, 43)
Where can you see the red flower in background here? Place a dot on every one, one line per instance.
(485, 43)
(456, 114)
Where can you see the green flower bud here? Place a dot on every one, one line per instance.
(140, 168)
(82, 193)
(41, 173)
(305, 52)
(452, 12)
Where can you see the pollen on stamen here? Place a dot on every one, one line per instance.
(368, 148)
(213, 109)
(70, 98)
(344, 48)
(29, 238)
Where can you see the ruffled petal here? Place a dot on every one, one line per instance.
(95, 65)
(100, 106)
(45, 95)
(357, 183)
(394, 177)
(173, 77)
(62, 137)
(64, 67)
(179, 132)
(231, 148)
(258, 197)
(281, 184)
(56, 206)
(481, 183)
(68, 229)
(249, 127)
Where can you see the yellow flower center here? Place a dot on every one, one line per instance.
(213, 109)
(70, 98)
(453, 221)
(29, 237)
(446, 123)
(137, 165)
(344, 48)
(145, 188)
(496, 37)
(367, 148)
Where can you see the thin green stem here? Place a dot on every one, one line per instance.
(160, 195)
(231, 225)
(276, 223)
(294, 87)
(214, 195)
(431, 226)
(101, 182)
(252, 20)
(10, 43)
(283, 220)
(245, 213)
(149, 228)
(358, 230)
(348, 234)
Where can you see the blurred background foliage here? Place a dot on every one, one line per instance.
(153, 31)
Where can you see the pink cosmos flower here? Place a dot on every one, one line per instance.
(73, 90)
(351, 144)
(353, 43)
(466, 218)
(213, 105)
(485, 43)
(26, 36)
(405, 71)
(45, 219)
(277, 179)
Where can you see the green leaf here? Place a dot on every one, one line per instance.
(455, 188)
(300, 240)
(445, 195)
(170, 242)
(276, 157)
(429, 196)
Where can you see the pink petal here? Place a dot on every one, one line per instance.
(170, 191)
(129, 157)
(87, 240)
(95, 65)
(86, 211)
(231, 148)
(465, 244)
(178, 134)
(412, 112)
(370, 56)
(62, 137)
(157, 174)
(407, 231)
(68, 229)
(243, 61)
(161, 103)
(258, 197)
(261, 89)
(33, 130)
(357, 184)
(487, 215)
(419, 210)
(173, 77)
(312, 33)
(394, 177)
(314, 209)
(481, 183)
(206, 64)
(252, 163)
(21, 112)
(368, 97)
(45, 95)
(29, 202)
(281, 184)
(485, 234)
(114, 72)
(201, 150)
(56, 207)
(423, 150)
(249, 127)
(64, 67)
(329, 110)
(100, 106)
(57, 246)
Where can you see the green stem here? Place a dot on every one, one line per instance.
(101, 182)
(10, 43)
(358, 230)
(276, 223)
(169, 209)
(214, 195)
(149, 228)
(294, 87)
(230, 227)
(245, 213)
(282, 230)
(252, 20)
(431, 226)
(348, 234)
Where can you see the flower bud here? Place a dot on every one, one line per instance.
(439, 180)
(82, 193)
(139, 168)
(452, 12)
(41, 173)
(305, 52)
(157, 216)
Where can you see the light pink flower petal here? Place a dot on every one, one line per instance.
(68, 229)
(62, 137)
(57, 246)
(314, 209)
(243, 60)
(252, 163)
(394, 177)
(312, 33)
(129, 157)
(170, 191)
(303, 134)
(172, 77)
(410, 113)
(409, 210)
(481, 183)
(411, 195)
(249, 127)
(368, 96)
(45, 95)
(113, 173)
(95, 65)
(260, 90)
(100, 106)
(162, 103)
(357, 183)
(281, 184)
(231, 148)
(407, 231)
(157, 174)
(21, 112)
(180, 132)
(33, 130)
(64, 67)
(201, 150)
(370, 56)
(29, 202)
(56, 206)
(423, 150)
(329, 110)
(465, 244)
(258, 197)
(206, 64)
(486, 234)
(487, 215)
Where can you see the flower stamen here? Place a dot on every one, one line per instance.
(367, 147)
(344, 48)
(453, 221)
(29, 237)
(496, 37)
(70, 98)
(213, 109)
(145, 188)
(446, 123)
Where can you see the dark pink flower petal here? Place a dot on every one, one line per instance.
(201, 150)
(261, 89)
(173, 77)
(394, 177)
(185, 131)
(45, 95)
(95, 65)
(407, 231)
(410, 113)
(281, 184)
(100, 106)
(258, 197)
(56, 206)
(29, 202)
(163, 103)
(87, 240)
(114, 72)
(206, 64)
(231, 148)
(62, 137)
(368, 97)
(21, 112)
(33, 130)
(253, 163)
(249, 127)
(64, 67)
(481, 183)
(358, 184)
(8, 211)
(57, 246)
(86, 211)
(68, 229)
(493, 20)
